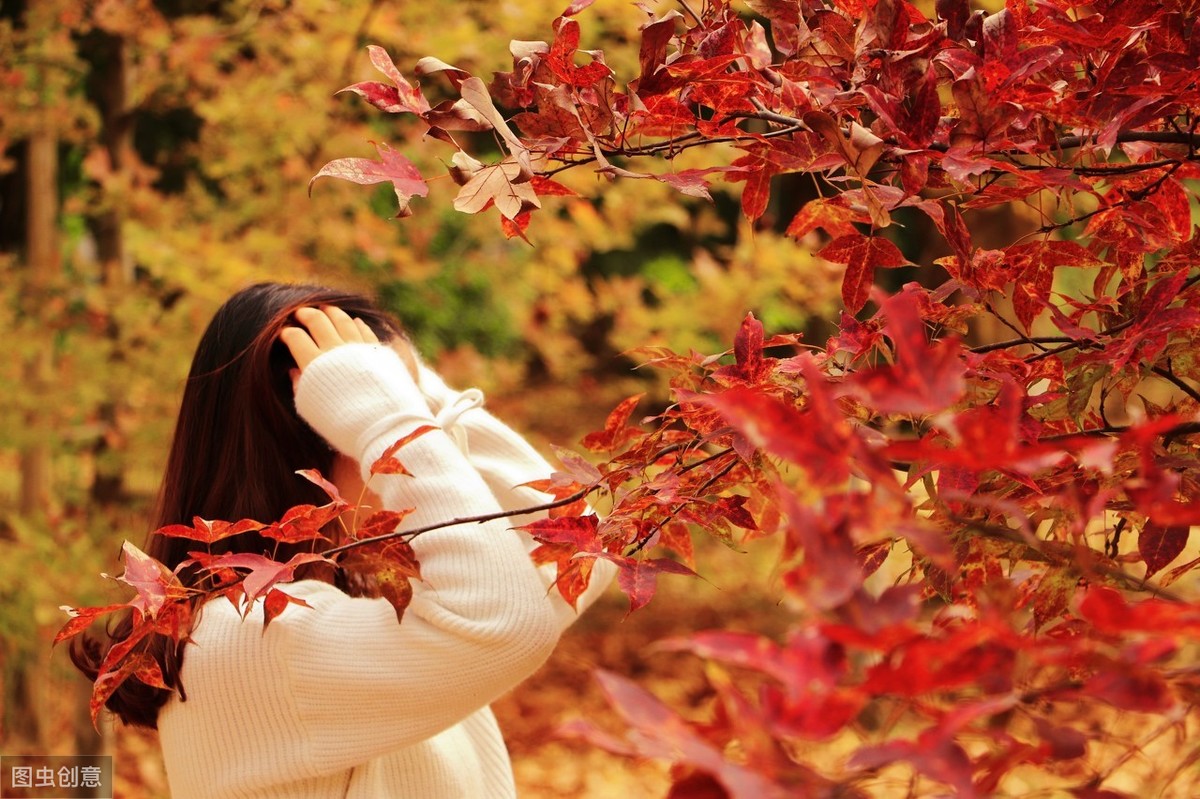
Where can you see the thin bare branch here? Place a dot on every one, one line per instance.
(486, 517)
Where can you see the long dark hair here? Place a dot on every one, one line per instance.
(237, 445)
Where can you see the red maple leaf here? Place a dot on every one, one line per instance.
(82, 618)
(317, 479)
(816, 438)
(303, 522)
(155, 584)
(580, 532)
(861, 255)
(561, 487)
(662, 733)
(275, 602)
(1034, 264)
(561, 62)
(749, 365)
(262, 573)
(384, 569)
(381, 522)
(616, 432)
(1159, 545)
(392, 167)
(834, 215)
(926, 378)
(140, 666)
(209, 531)
(638, 577)
(804, 152)
(401, 97)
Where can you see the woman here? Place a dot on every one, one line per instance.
(337, 699)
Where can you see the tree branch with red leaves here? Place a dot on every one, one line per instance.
(970, 619)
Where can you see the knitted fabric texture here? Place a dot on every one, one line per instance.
(337, 699)
(358, 391)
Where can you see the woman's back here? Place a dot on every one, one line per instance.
(263, 728)
(337, 696)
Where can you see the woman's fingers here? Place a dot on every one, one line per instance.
(344, 325)
(367, 333)
(300, 344)
(320, 327)
(323, 329)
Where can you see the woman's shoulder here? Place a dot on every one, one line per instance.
(308, 604)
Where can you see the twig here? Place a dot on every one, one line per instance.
(1105, 390)
(1112, 547)
(1036, 551)
(690, 12)
(486, 517)
(767, 115)
(677, 144)
(645, 539)
(1080, 343)
(705, 460)
(1184, 765)
(1124, 136)
(1106, 430)
(1062, 143)
(1124, 757)
(1101, 171)
(1185, 429)
(1170, 376)
(1013, 327)
(1017, 342)
(793, 125)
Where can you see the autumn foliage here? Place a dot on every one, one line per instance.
(984, 539)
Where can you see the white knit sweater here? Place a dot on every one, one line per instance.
(338, 700)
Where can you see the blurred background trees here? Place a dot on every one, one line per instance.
(154, 157)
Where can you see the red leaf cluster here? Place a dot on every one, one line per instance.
(377, 561)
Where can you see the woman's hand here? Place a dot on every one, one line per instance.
(343, 392)
(328, 327)
(324, 329)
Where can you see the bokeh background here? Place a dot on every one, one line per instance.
(155, 156)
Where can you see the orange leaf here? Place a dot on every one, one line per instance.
(387, 464)
(275, 603)
(81, 619)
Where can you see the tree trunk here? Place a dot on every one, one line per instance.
(89, 742)
(43, 264)
(22, 720)
(110, 91)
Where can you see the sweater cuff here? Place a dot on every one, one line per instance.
(347, 391)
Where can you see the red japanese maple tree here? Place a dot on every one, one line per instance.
(1026, 497)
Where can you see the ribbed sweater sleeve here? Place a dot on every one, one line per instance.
(506, 461)
(478, 623)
